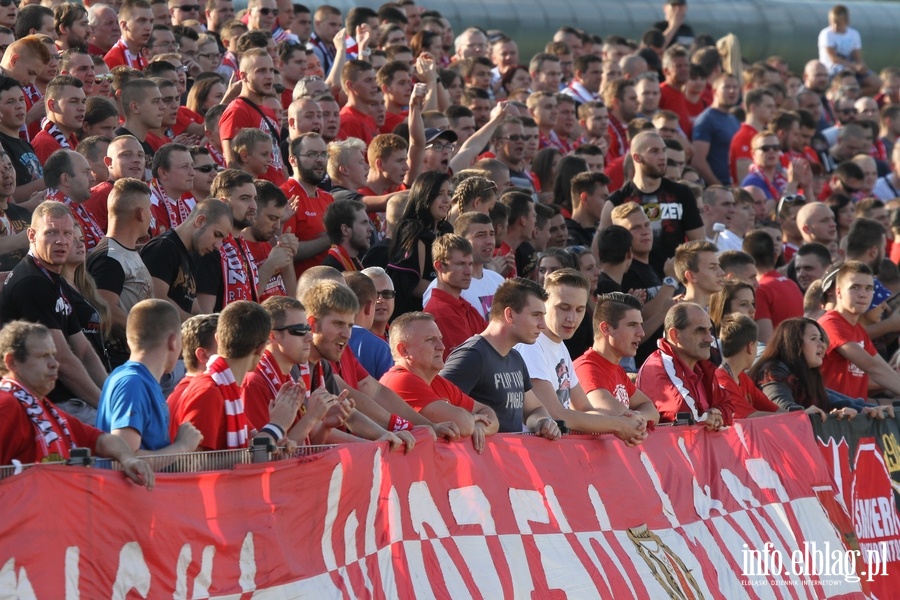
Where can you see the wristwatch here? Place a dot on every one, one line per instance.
(671, 282)
(365, 53)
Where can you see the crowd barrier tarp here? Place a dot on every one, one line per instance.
(750, 512)
(864, 458)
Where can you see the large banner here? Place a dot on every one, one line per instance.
(750, 512)
(864, 458)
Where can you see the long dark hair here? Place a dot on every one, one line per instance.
(568, 168)
(786, 346)
(720, 302)
(417, 217)
(542, 166)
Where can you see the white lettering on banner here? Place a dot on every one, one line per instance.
(72, 573)
(133, 573)
(668, 508)
(18, 587)
(248, 564)
(738, 490)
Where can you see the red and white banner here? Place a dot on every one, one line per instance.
(750, 512)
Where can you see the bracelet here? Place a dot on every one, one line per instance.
(274, 430)
(398, 423)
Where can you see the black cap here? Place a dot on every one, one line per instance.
(676, 2)
(433, 133)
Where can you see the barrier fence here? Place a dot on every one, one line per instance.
(750, 512)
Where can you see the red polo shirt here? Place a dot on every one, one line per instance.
(356, 124)
(419, 394)
(307, 223)
(778, 298)
(456, 318)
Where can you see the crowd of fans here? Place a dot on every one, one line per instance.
(325, 228)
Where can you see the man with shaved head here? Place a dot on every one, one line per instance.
(670, 206)
(816, 224)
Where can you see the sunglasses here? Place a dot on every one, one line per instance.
(299, 330)
(790, 199)
(387, 294)
(268, 11)
(8, 2)
(104, 77)
(207, 168)
(189, 8)
(768, 148)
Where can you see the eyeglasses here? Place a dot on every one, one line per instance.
(210, 55)
(170, 45)
(387, 294)
(790, 199)
(439, 147)
(298, 330)
(208, 168)
(98, 79)
(768, 148)
(181, 69)
(848, 111)
(8, 2)
(268, 11)
(189, 8)
(322, 155)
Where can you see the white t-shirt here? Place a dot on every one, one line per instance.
(480, 293)
(883, 189)
(729, 241)
(551, 362)
(843, 43)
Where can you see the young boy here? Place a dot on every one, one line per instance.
(737, 340)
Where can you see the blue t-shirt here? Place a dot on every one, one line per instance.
(717, 128)
(131, 397)
(372, 352)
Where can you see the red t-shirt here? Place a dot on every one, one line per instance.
(839, 373)
(203, 405)
(178, 391)
(503, 250)
(20, 436)
(356, 124)
(185, 117)
(257, 394)
(96, 204)
(419, 394)
(308, 222)
(740, 148)
(746, 398)
(615, 170)
(595, 372)
(240, 115)
(275, 286)
(156, 142)
(671, 98)
(391, 120)
(45, 144)
(778, 298)
(349, 368)
(456, 318)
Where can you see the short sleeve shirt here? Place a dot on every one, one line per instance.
(839, 373)
(419, 394)
(308, 222)
(500, 382)
(550, 361)
(717, 128)
(778, 298)
(598, 373)
(25, 161)
(168, 260)
(240, 115)
(203, 405)
(131, 397)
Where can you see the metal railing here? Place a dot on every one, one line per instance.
(262, 450)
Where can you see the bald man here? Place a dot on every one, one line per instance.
(670, 206)
(816, 224)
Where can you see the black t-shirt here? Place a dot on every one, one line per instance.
(641, 276)
(90, 327)
(579, 235)
(684, 35)
(672, 210)
(19, 220)
(40, 296)
(526, 259)
(168, 260)
(607, 285)
(339, 192)
(209, 275)
(25, 161)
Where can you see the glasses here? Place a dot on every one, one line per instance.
(8, 2)
(211, 56)
(298, 330)
(322, 155)
(439, 147)
(789, 199)
(208, 168)
(387, 294)
(848, 111)
(768, 148)
(181, 69)
(170, 45)
(189, 8)
(98, 79)
(268, 11)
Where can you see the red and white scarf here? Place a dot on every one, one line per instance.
(577, 90)
(133, 61)
(271, 372)
(340, 254)
(237, 427)
(50, 127)
(217, 156)
(89, 227)
(160, 195)
(54, 441)
(776, 185)
(236, 260)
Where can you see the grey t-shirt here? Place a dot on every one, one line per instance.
(500, 382)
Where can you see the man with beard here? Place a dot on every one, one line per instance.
(308, 157)
(169, 256)
(124, 158)
(72, 26)
(275, 263)
(231, 275)
(670, 206)
(65, 112)
(257, 72)
(713, 131)
(348, 229)
(622, 101)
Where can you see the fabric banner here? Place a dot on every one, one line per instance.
(750, 512)
(864, 458)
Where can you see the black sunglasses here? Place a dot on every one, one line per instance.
(8, 2)
(790, 199)
(387, 294)
(268, 11)
(299, 330)
(207, 168)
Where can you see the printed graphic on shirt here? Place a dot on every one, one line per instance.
(564, 384)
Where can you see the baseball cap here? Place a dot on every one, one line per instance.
(433, 133)
(676, 2)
